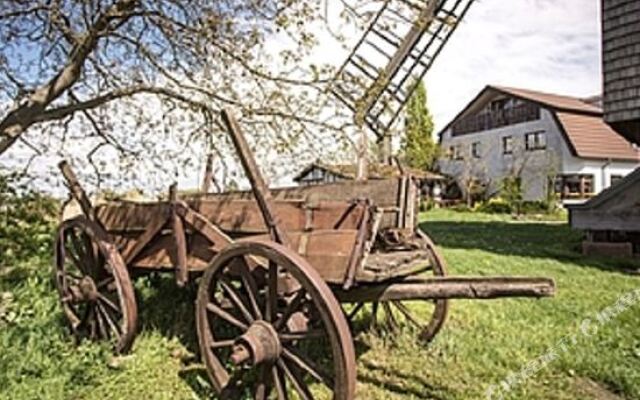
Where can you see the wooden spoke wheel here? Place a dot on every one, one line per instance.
(268, 332)
(94, 286)
(427, 317)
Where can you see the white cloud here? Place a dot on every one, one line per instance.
(543, 45)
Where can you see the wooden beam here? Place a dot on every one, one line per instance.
(76, 190)
(450, 288)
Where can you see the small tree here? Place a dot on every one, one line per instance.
(511, 192)
(418, 147)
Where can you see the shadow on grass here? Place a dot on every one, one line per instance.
(168, 309)
(427, 391)
(524, 239)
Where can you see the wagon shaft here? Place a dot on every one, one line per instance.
(450, 288)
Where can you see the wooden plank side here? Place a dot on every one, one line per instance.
(328, 251)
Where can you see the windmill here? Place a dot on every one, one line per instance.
(392, 56)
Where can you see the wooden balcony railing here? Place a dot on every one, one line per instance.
(497, 119)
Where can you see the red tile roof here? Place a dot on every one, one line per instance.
(591, 137)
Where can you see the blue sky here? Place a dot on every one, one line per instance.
(547, 45)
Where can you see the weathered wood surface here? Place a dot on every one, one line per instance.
(621, 60)
(384, 193)
(615, 209)
(450, 288)
(237, 216)
(76, 190)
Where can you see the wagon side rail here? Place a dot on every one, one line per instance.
(174, 217)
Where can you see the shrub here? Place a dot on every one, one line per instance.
(27, 220)
(495, 205)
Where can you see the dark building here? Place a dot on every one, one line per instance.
(611, 220)
(621, 66)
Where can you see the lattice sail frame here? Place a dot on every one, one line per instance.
(393, 55)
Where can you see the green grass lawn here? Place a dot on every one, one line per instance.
(481, 344)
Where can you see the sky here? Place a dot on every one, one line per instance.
(547, 45)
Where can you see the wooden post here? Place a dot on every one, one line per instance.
(76, 190)
(258, 185)
(179, 239)
(362, 166)
(208, 175)
(385, 149)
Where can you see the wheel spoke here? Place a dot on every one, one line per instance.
(235, 298)
(102, 329)
(310, 334)
(82, 256)
(298, 383)
(75, 260)
(407, 313)
(105, 283)
(240, 265)
(112, 324)
(272, 292)
(279, 383)
(355, 310)
(215, 309)
(374, 314)
(390, 318)
(91, 320)
(221, 344)
(307, 365)
(262, 385)
(292, 307)
(104, 299)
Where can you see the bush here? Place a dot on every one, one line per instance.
(427, 204)
(495, 205)
(27, 221)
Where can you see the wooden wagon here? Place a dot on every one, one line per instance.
(274, 269)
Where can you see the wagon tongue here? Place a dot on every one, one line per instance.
(452, 287)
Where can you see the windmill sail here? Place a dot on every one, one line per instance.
(395, 52)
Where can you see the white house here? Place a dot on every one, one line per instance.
(550, 142)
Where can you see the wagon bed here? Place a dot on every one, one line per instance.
(273, 268)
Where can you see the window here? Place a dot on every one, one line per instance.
(507, 145)
(574, 186)
(615, 179)
(450, 152)
(536, 141)
(457, 153)
(475, 150)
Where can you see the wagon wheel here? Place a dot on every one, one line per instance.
(266, 337)
(94, 286)
(427, 316)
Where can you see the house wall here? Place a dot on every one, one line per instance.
(536, 166)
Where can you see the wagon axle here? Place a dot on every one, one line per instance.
(259, 344)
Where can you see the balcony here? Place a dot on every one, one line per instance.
(496, 119)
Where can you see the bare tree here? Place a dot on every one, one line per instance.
(80, 63)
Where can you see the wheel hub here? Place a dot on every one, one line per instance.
(260, 343)
(85, 290)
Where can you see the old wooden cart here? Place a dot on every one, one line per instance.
(274, 269)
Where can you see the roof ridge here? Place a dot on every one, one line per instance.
(539, 96)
